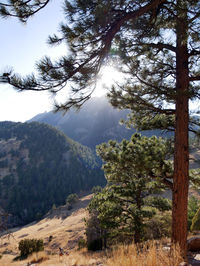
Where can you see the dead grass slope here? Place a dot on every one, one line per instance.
(65, 228)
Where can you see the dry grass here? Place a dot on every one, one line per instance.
(38, 257)
(151, 254)
(66, 230)
(83, 258)
(65, 227)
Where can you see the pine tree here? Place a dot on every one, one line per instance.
(134, 170)
(158, 44)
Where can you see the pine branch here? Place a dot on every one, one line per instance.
(194, 52)
(115, 27)
(194, 78)
(159, 46)
(22, 9)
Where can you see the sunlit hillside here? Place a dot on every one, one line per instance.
(64, 228)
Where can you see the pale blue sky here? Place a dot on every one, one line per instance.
(21, 46)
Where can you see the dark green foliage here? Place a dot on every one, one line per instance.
(81, 243)
(133, 37)
(49, 167)
(134, 170)
(193, 206)
(158, 226)
(28, 246)
(160, 203)
(96, 189)
(72, 198)
(95, 245)
(104, 217)
(196, 221)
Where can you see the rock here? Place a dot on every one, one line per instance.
(194, 243)
(183, 264)
(166, 248)
(197, 257)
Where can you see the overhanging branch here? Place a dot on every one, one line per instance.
(160, 46)
(195, 78)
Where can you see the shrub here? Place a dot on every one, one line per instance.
(196, 221)
(96, 189)
(72, 198)
(193, 206)
(158, 226)
(81, 243)
(28, 246)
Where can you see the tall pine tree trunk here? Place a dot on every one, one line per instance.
(181, 157)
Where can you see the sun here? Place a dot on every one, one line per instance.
(108, 76)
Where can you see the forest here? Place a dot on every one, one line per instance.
(42, 167)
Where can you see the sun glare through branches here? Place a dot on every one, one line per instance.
(108, 76)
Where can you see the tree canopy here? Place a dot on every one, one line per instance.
(135, 171)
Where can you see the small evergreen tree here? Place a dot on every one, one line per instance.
(134, 170)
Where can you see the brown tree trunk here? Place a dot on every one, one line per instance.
(181, 156)
(138, 219)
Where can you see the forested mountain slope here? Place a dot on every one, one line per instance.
(96, 122)
(40, 166)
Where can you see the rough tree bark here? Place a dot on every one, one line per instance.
(181, 156)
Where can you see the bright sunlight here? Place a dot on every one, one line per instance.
(108, 76)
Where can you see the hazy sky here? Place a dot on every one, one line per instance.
(21, 46)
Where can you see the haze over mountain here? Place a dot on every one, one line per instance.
(39, 167)
(96, 122)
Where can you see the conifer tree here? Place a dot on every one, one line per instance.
(134, 170)
(157, 42)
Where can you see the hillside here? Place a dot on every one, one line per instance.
(65, 227)
(96, 122)
(39, 167)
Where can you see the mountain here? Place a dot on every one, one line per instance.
(39, 167)
(96, 122)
